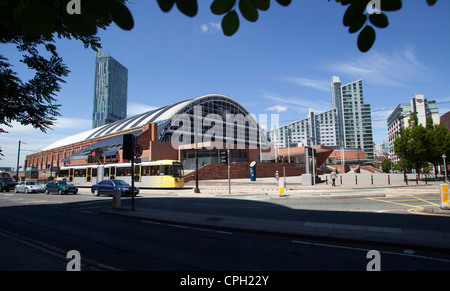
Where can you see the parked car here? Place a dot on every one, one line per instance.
(29, 187)
(108, 186)
(60, 187)
(6, 184)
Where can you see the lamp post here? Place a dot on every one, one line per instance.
(445, 168)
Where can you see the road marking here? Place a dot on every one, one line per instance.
(52, 250)
(187, 227)
(410, 198)
(227, 206)
(408, 253)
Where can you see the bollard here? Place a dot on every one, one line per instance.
(426, 180)
(444, 197)
(341, 179)
(356, 180)
(417, 179)
(116, 199)
(371, 179)
(389, 180)
(326, 179)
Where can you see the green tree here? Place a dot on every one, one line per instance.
(423, 145)
(438, 138)
(414, 145)
(33, 24)
(386, 165)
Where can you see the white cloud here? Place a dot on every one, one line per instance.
(298, 103)
(387, 69)
(277, 108)
(138, 108)
(322, 85)
(212, 25)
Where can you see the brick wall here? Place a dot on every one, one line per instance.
(242, 170)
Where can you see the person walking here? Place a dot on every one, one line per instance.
(333, 177)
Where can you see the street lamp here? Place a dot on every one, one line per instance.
(445, 168)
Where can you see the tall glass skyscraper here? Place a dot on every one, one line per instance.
(354, 116)
(110, 92)
(348, 125)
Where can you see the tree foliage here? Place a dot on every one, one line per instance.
(33, 24)
(30, 24)
(423, 144)
(357, 17)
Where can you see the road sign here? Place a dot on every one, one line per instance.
(137, 151)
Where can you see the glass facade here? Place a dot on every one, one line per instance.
(110, 91)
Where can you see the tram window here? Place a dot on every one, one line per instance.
(63, 173)
(154, 170)
(120, 172)
(166, 170)
(106, 172)
(80, 173)
(94, 172)
(146, 171)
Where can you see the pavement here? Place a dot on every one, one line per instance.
(409, 235)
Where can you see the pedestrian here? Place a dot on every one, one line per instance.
(277, 178)
(333, 177)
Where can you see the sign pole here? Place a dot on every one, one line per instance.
(229, 176)
(132, 183)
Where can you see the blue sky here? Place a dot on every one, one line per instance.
(282, 64)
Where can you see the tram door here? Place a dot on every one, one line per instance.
(112, 172)
(71, 174)
(89, 175)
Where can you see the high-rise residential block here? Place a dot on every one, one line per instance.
(110, 92)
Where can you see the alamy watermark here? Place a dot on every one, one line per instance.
(374, 7)
(73, 7)
(215, 131)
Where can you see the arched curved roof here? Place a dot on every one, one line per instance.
(154, 116)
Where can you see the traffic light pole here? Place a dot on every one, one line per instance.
(229, 174)
(132, 183)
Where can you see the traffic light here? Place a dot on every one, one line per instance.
(128, 145)
(224, 157)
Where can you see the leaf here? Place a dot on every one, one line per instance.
(263, 5)
(357, 25)
(220, 7)
(379, 20)
(51, 48)
(122, 16)
(37, 20)
(366, 39)
(284, 2)
(188, 7)
(230, 23)
(354, 12)
(248, 10)
(82, 24)
(166, 5)
(391, 5)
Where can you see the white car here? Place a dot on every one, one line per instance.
(29, 187)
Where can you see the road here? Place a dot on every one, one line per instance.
(37, 231)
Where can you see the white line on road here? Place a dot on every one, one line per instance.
(228, 206)
(187, 227)
(407, 254)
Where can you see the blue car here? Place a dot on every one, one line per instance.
(108, 186)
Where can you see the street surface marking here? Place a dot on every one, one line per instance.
(405, 254)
